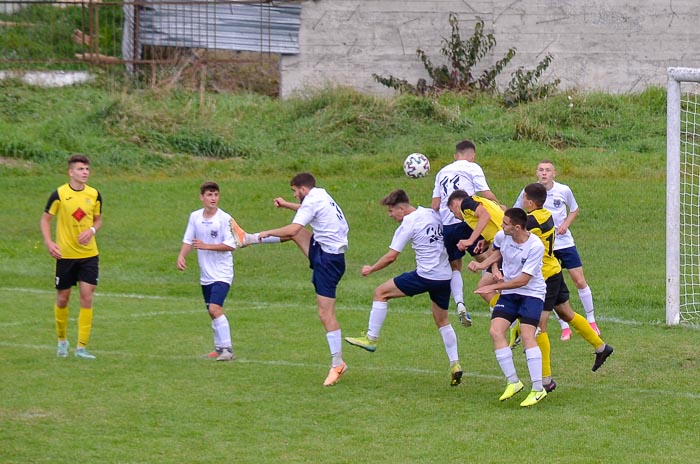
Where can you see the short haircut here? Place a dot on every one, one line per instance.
(78, 158)
(396, 197)
(465, 145)
(303, 179)
(517, 216)
(546, 161)
(209, 187)
(460, 195)
(537, 193)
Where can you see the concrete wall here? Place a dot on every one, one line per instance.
(611, 45)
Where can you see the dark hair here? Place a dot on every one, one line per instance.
(78, 158)
(460, 195)
(465, 145)
(537, 193)
(396, 197)
(517, 216)
(303, 179)
(209, 187)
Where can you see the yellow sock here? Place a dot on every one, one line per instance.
(543, 342)
(493, 301)
(583, 328)
(61, 315)
(84, 326)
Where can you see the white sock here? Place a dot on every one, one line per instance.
(335, 345)
(376, 318)
(457, 287)
(534, 365)
(449, 339)
(562, 323)
(222, 332)
(586, 297)
(254, 239)
(504, 356)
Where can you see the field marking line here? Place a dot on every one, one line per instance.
(406, 370)
(260, 305)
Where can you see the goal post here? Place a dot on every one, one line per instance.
(683, 196)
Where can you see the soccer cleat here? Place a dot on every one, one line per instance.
(82, 353)
(464, 317)
(549, 387)
(226, 355)
(602, 356)
(511, 390)
(456, 374)
(214, 354)
(363, 342)
(335, 374)
(62, 349)
(514, 335)
(238, 234)
(595, 328)
(565, 334)
(533, 398)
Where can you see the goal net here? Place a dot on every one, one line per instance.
(683, 196)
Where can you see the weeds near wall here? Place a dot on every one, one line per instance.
(463, 57)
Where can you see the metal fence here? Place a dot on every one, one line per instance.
(155, 38)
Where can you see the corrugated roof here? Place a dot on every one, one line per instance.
(221, 25)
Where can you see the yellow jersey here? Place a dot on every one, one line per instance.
(469, 206)
(75, 212)
(541, 223)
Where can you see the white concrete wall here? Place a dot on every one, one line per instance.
(611, 45)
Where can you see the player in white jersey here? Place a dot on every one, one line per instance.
(462, 174)
(325, 249)
(208, 232)
(423, 228)
(562, 204)
(522, 296)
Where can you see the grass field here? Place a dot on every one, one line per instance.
(150, 397)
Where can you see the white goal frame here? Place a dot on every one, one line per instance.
(676, 76)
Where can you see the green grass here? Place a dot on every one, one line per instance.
(149, 397)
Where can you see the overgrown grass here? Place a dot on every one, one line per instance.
(149, 398)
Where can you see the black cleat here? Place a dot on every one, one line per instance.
(549, 387)
(602, 356)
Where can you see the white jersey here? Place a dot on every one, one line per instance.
(560, 200)
(458, 175)
(214, 266)
(319, 210)
(424, 230)
(521, 258)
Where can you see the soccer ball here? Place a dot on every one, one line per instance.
(416, 165)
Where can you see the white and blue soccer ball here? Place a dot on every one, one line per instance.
(416, 165)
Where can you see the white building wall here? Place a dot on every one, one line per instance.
(610, 45)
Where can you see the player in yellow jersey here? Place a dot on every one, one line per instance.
(484, 217)
(541, 223)
(78, 210)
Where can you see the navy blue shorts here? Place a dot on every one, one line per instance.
(452, 234)
(215, 293)
(411, 284)
(568, 257)
(71, 271)
(328, 269)
(557, 292)
(513, 306)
